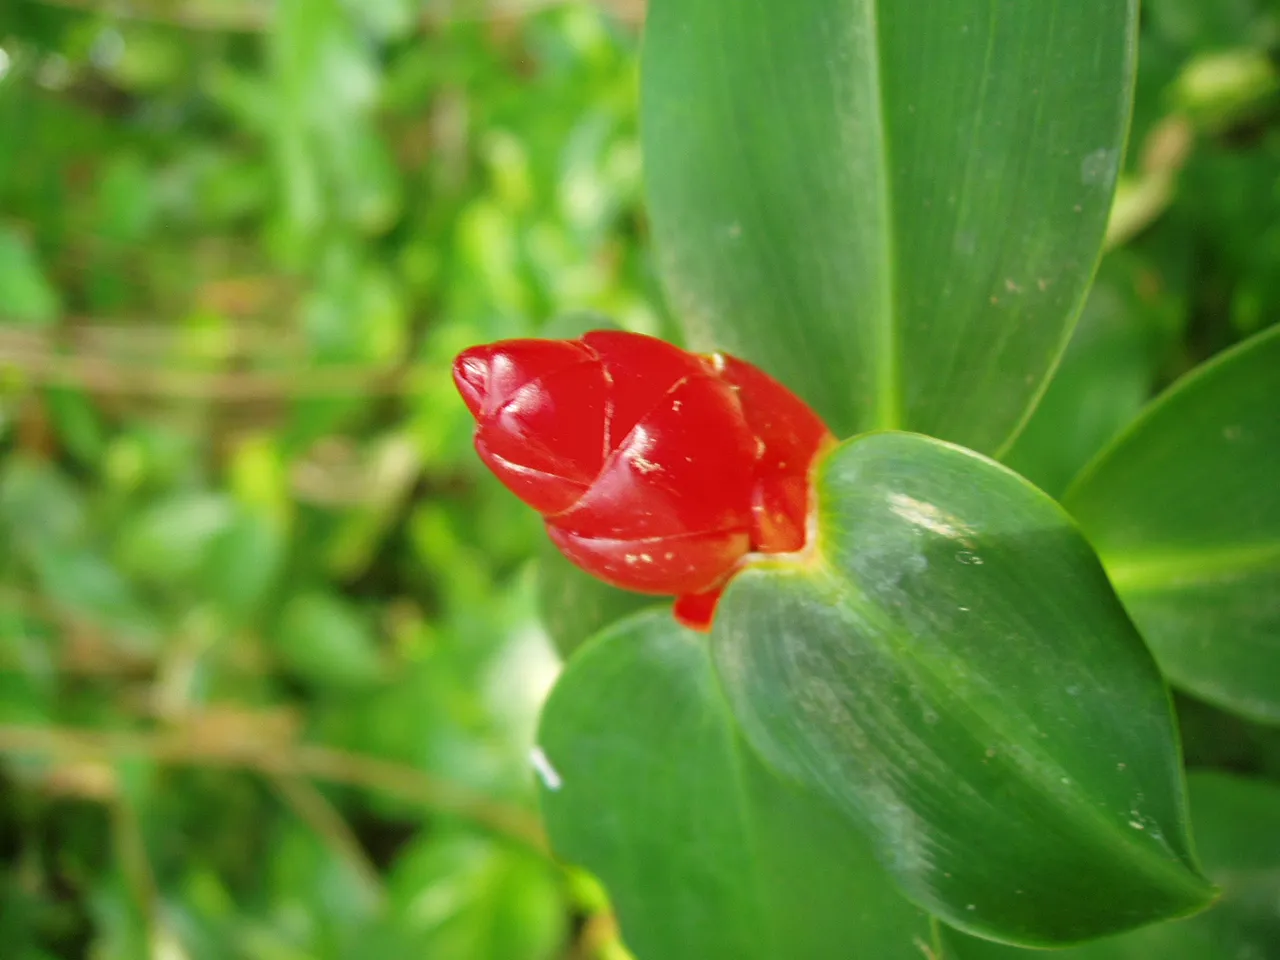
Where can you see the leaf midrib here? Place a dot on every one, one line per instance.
(888, 402)
(1082, 811)
(1171, 570)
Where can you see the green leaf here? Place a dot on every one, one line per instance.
(1193, 23)
(322, 639)
(85, 584)
(894, 207)
(705, 853)
(321, 901)
(1183, 510)
(1237, 824)
(39, 506)
(949, 666)
(78, 423)
(168, 542)
(456, 895)
(242, 563)
(26, 296)
(125, 200)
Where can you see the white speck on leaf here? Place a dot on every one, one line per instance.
(548, 774)
(1098, 169)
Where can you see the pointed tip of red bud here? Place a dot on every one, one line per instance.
(488, 375)
(471, 375)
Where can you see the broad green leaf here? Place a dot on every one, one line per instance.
(1237, 824)
(894, 207)
(705, 853)
(949, 665)
(1184, 511)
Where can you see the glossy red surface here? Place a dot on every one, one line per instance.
(655, 469)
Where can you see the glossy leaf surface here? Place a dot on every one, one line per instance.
(1237, 823)
(1184, 509)
(895, 208)
(706, 854)
(951, 668)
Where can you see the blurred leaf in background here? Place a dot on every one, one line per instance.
(269, 652)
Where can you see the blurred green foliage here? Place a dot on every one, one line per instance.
(246, 542)
(1195, 232)
(270, 654)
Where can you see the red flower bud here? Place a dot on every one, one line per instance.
(655, 469)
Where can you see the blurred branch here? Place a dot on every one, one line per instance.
(131, 854)
(313, 808)
(276, 760)
(1140, 201)
(90, 335)
(454, 11)
(243, 17)
(86, 648)
(599, 939)
(257, 17)
(103, 376)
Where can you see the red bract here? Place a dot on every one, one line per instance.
(655, 469)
